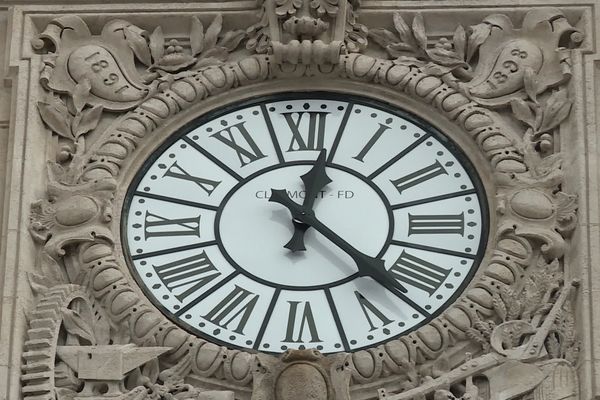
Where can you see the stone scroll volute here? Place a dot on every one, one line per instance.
(501, 82)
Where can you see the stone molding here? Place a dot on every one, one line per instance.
(514, 117)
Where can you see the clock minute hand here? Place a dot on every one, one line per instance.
(367, 266)
(314, 181)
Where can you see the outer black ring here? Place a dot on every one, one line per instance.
(299, 288)
(349, 98)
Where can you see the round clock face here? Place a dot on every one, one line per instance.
(324, 221)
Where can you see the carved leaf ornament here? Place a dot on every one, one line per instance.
(515, 314)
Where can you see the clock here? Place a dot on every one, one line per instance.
(304, 220)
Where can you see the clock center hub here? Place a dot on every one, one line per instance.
(253, 231)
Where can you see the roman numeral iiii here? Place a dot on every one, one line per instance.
(418, 273)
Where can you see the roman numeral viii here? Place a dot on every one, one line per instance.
(420, 176)
(436, 224)
(313, 138)
(175, 171)
(196, 271)
(237, 305)
(156, 226)
(418, 273)
(239, 139)
(301, 322)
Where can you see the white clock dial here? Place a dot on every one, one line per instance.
(299, 221)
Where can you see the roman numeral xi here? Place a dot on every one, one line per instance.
(239, 139)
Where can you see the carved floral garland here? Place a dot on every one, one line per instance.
(472, 79)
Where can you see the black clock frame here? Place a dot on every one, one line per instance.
(320, 95)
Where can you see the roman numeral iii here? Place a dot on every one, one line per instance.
(156, 226)
(196, 271)
(239, 139)
(436, 224)
(418, 273)
(313, 138)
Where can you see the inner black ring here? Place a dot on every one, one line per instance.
(247, 180)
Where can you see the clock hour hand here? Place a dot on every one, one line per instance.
(367, 266)
(314, 181)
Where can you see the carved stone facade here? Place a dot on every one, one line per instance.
(96, 88)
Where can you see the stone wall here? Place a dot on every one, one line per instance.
(537, 140)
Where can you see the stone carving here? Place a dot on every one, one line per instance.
(105, 70)
(304, 374)
(307, 31)
(518, 300)
(512, 63)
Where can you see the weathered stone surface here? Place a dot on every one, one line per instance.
(517, 84)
